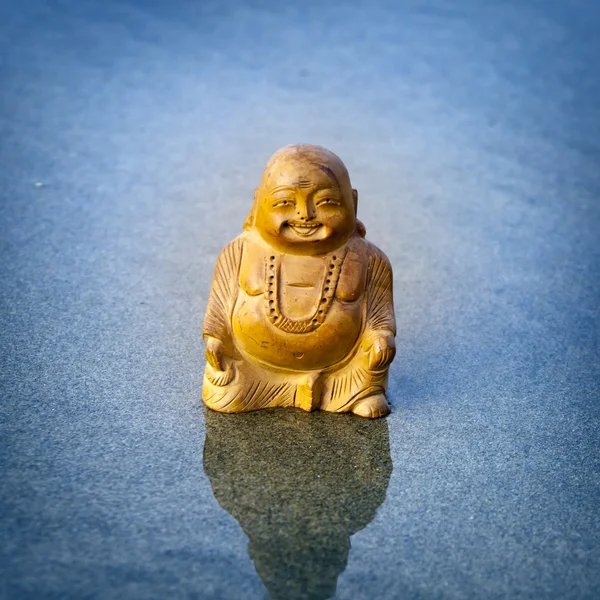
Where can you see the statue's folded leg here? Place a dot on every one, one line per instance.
(249, 387)
(246, 386)
(357, 388)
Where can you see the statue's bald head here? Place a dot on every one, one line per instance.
(305, 203)
(301, 156)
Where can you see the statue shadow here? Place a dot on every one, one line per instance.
(299, 485)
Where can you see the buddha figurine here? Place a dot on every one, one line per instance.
(301, 309)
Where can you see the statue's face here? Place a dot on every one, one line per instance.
(304, 208)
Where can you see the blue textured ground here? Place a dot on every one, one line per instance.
(471, 129)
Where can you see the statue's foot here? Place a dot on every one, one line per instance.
(372, 407)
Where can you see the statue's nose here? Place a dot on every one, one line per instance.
(306, 212)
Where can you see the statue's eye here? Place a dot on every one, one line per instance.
(284, 202)
(330, 201)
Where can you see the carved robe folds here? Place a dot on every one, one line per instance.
(297, 331)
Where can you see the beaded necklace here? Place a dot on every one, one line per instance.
(328, 287)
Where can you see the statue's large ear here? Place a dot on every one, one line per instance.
(249, 222)
(360, 227)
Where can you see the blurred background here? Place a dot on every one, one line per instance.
(132, 135)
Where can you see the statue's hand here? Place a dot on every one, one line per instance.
(382, 351)
(214, 353)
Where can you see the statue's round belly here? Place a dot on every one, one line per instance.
(329, 344)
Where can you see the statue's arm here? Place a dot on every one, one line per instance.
(381, 322)
(216, 330)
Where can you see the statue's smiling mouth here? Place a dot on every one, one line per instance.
(304, 228)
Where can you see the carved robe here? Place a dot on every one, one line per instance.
(297, 330)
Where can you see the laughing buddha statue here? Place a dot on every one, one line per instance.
(301, 309)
